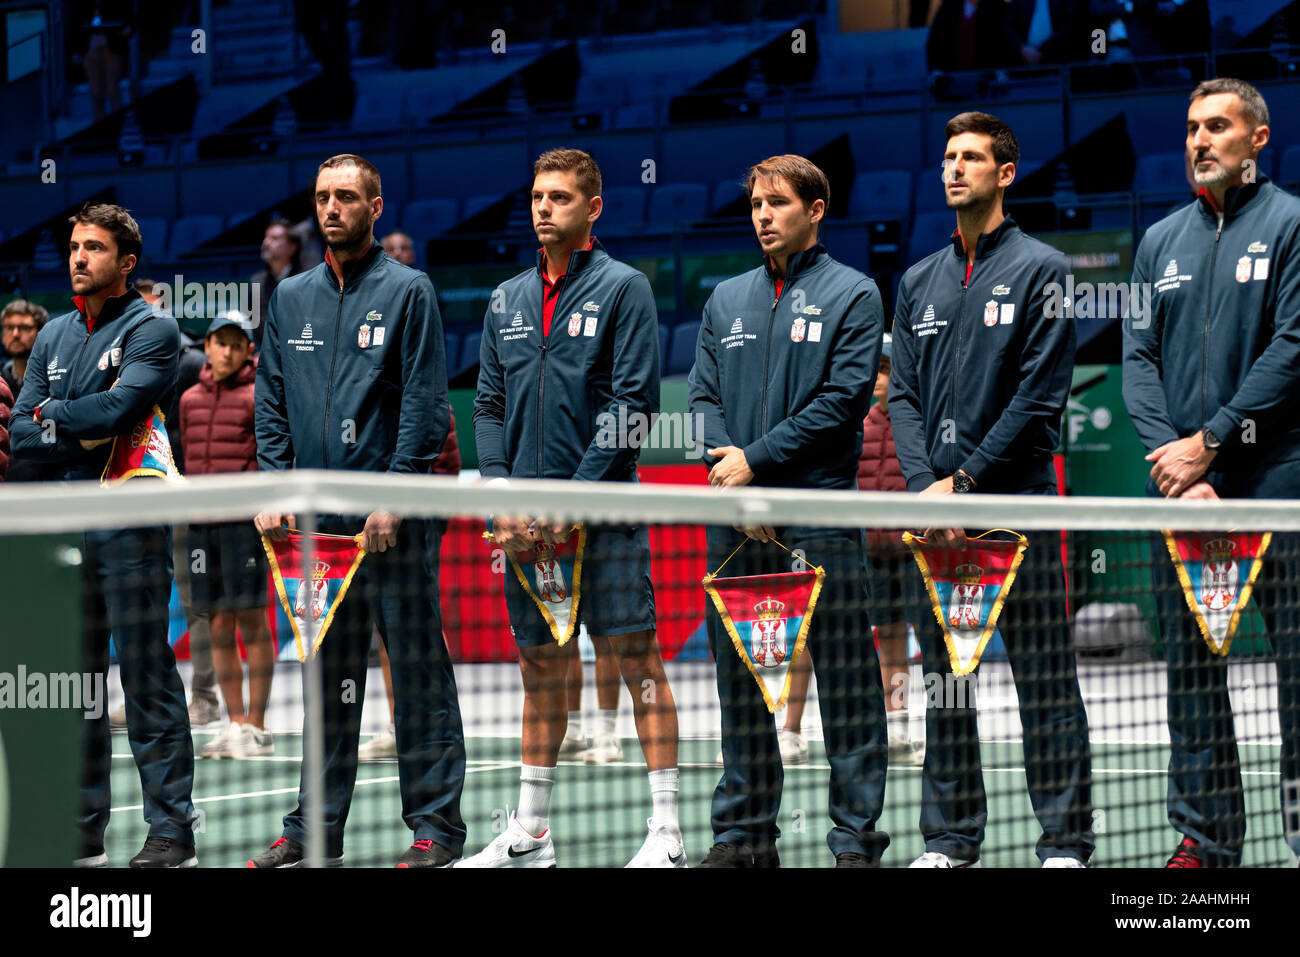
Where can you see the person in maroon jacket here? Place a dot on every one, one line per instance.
(228, 565)
(6, 406)
(383, 746)
(889, 561)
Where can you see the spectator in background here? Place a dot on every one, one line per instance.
(973, 35)
(19, 324)
(6, 406)
(229, 564)
(398, 245)
(107, 32)
(1059, 31)
(282, 253)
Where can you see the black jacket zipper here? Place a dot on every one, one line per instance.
(1205, 351)
(956, 365)
(767, 354)
(329, 388)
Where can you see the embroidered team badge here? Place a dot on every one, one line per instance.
(363, 336)
(1243, 269)
(797, 330)
(991, 313)
(575, 324)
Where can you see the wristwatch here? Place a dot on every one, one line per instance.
(961, 482)
(1210, 440)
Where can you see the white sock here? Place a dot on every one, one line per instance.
(663, 795)
(575, 724)
(535, 785)
(608, 719)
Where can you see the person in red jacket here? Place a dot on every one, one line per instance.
(6, 406)
(888, 560)
(227, 562)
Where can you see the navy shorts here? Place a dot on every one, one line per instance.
(616, 594)
(228, 567)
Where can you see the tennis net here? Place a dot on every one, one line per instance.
(1075, 679)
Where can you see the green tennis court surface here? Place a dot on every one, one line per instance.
(598, 812)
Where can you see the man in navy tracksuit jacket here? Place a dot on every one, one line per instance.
(981, 374)
(569, 358)
(353, 376)
(784, 368)
(94, 374)
(1211, 381)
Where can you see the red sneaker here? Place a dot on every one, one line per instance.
(1186, 855)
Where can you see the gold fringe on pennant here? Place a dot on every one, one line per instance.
(1189, 594)
(278, 577)
(560, 639)
(915, 543)
(172, 476)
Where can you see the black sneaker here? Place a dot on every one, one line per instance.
(851, 859)
(287, 853)
(164, 852)
(426, 854)
(90, 855)
(727, 854)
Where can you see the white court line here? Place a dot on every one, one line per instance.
(489, 766)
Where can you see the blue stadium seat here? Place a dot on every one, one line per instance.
(426, 218)
(153, 230)
(1161, 173)
(623, 209)
(189, 232)
(663, 346)
(681, 351)
(453, 352)
(726, 193)
(377, 112)
(885, 194)
(1289, 172)
(929, 232)
(928, 191)
(678, 203)
(469, 351)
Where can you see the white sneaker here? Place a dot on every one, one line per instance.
(1063, 861)
(224, 745)
(935, 859)
(573, 746)
(381, 747)
(515, 848)
(254, 741)
(794, 749)
(605, 749)
(660, 849)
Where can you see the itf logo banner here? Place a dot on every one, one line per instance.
(768, 617)
(967, 585)
(145, 451)
(1217, 571)
(311, 602)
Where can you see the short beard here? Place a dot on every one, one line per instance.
(354, 241)
(1215, 178)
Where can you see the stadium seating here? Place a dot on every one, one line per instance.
(681, 349)
(190, 232)
(469, 351)
(424, 219)
(678, 203)
(884, 194)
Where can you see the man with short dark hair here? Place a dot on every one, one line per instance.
(981, 374)
(784, 366)
(1211, 381)
(353, 376)
(93, 375)
(567, 344)
(20, 322)
(282, 253)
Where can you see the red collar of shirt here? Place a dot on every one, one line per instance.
(80, 303)
(550, 292)
(1205, 195)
